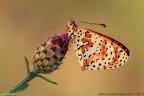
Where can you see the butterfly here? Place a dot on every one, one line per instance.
(94, 50)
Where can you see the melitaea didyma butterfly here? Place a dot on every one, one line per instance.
(94, 50)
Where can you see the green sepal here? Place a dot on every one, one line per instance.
(27, 64)
(46, 79)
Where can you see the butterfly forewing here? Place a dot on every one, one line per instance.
(96, 51)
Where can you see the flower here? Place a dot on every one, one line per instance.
(49, 55)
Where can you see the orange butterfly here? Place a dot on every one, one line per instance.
(94, 50)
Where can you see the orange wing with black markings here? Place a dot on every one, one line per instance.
(96, 51)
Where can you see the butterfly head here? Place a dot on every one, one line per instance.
(71, 31)
(70, 23)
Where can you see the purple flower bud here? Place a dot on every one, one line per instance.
(49, 55)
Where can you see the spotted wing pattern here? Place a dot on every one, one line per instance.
(96, 51)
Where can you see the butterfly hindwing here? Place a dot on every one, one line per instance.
(96, 51)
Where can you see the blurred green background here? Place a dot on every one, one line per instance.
(24, 24)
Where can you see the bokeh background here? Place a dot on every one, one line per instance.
(24, 24)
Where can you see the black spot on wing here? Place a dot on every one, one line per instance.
(89, 55)
(100, 64)
(93, 65)
(111, 52)
(79, 54)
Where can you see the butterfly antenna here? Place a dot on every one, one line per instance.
(93, 23)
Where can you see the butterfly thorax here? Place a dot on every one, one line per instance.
(72, 31)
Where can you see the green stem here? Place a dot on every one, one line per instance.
(23, 84)
(24, 81)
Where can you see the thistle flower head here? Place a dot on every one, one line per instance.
(49, 55)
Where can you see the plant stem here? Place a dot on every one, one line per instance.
(33, 73)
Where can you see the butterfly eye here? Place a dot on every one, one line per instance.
(70, 22)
